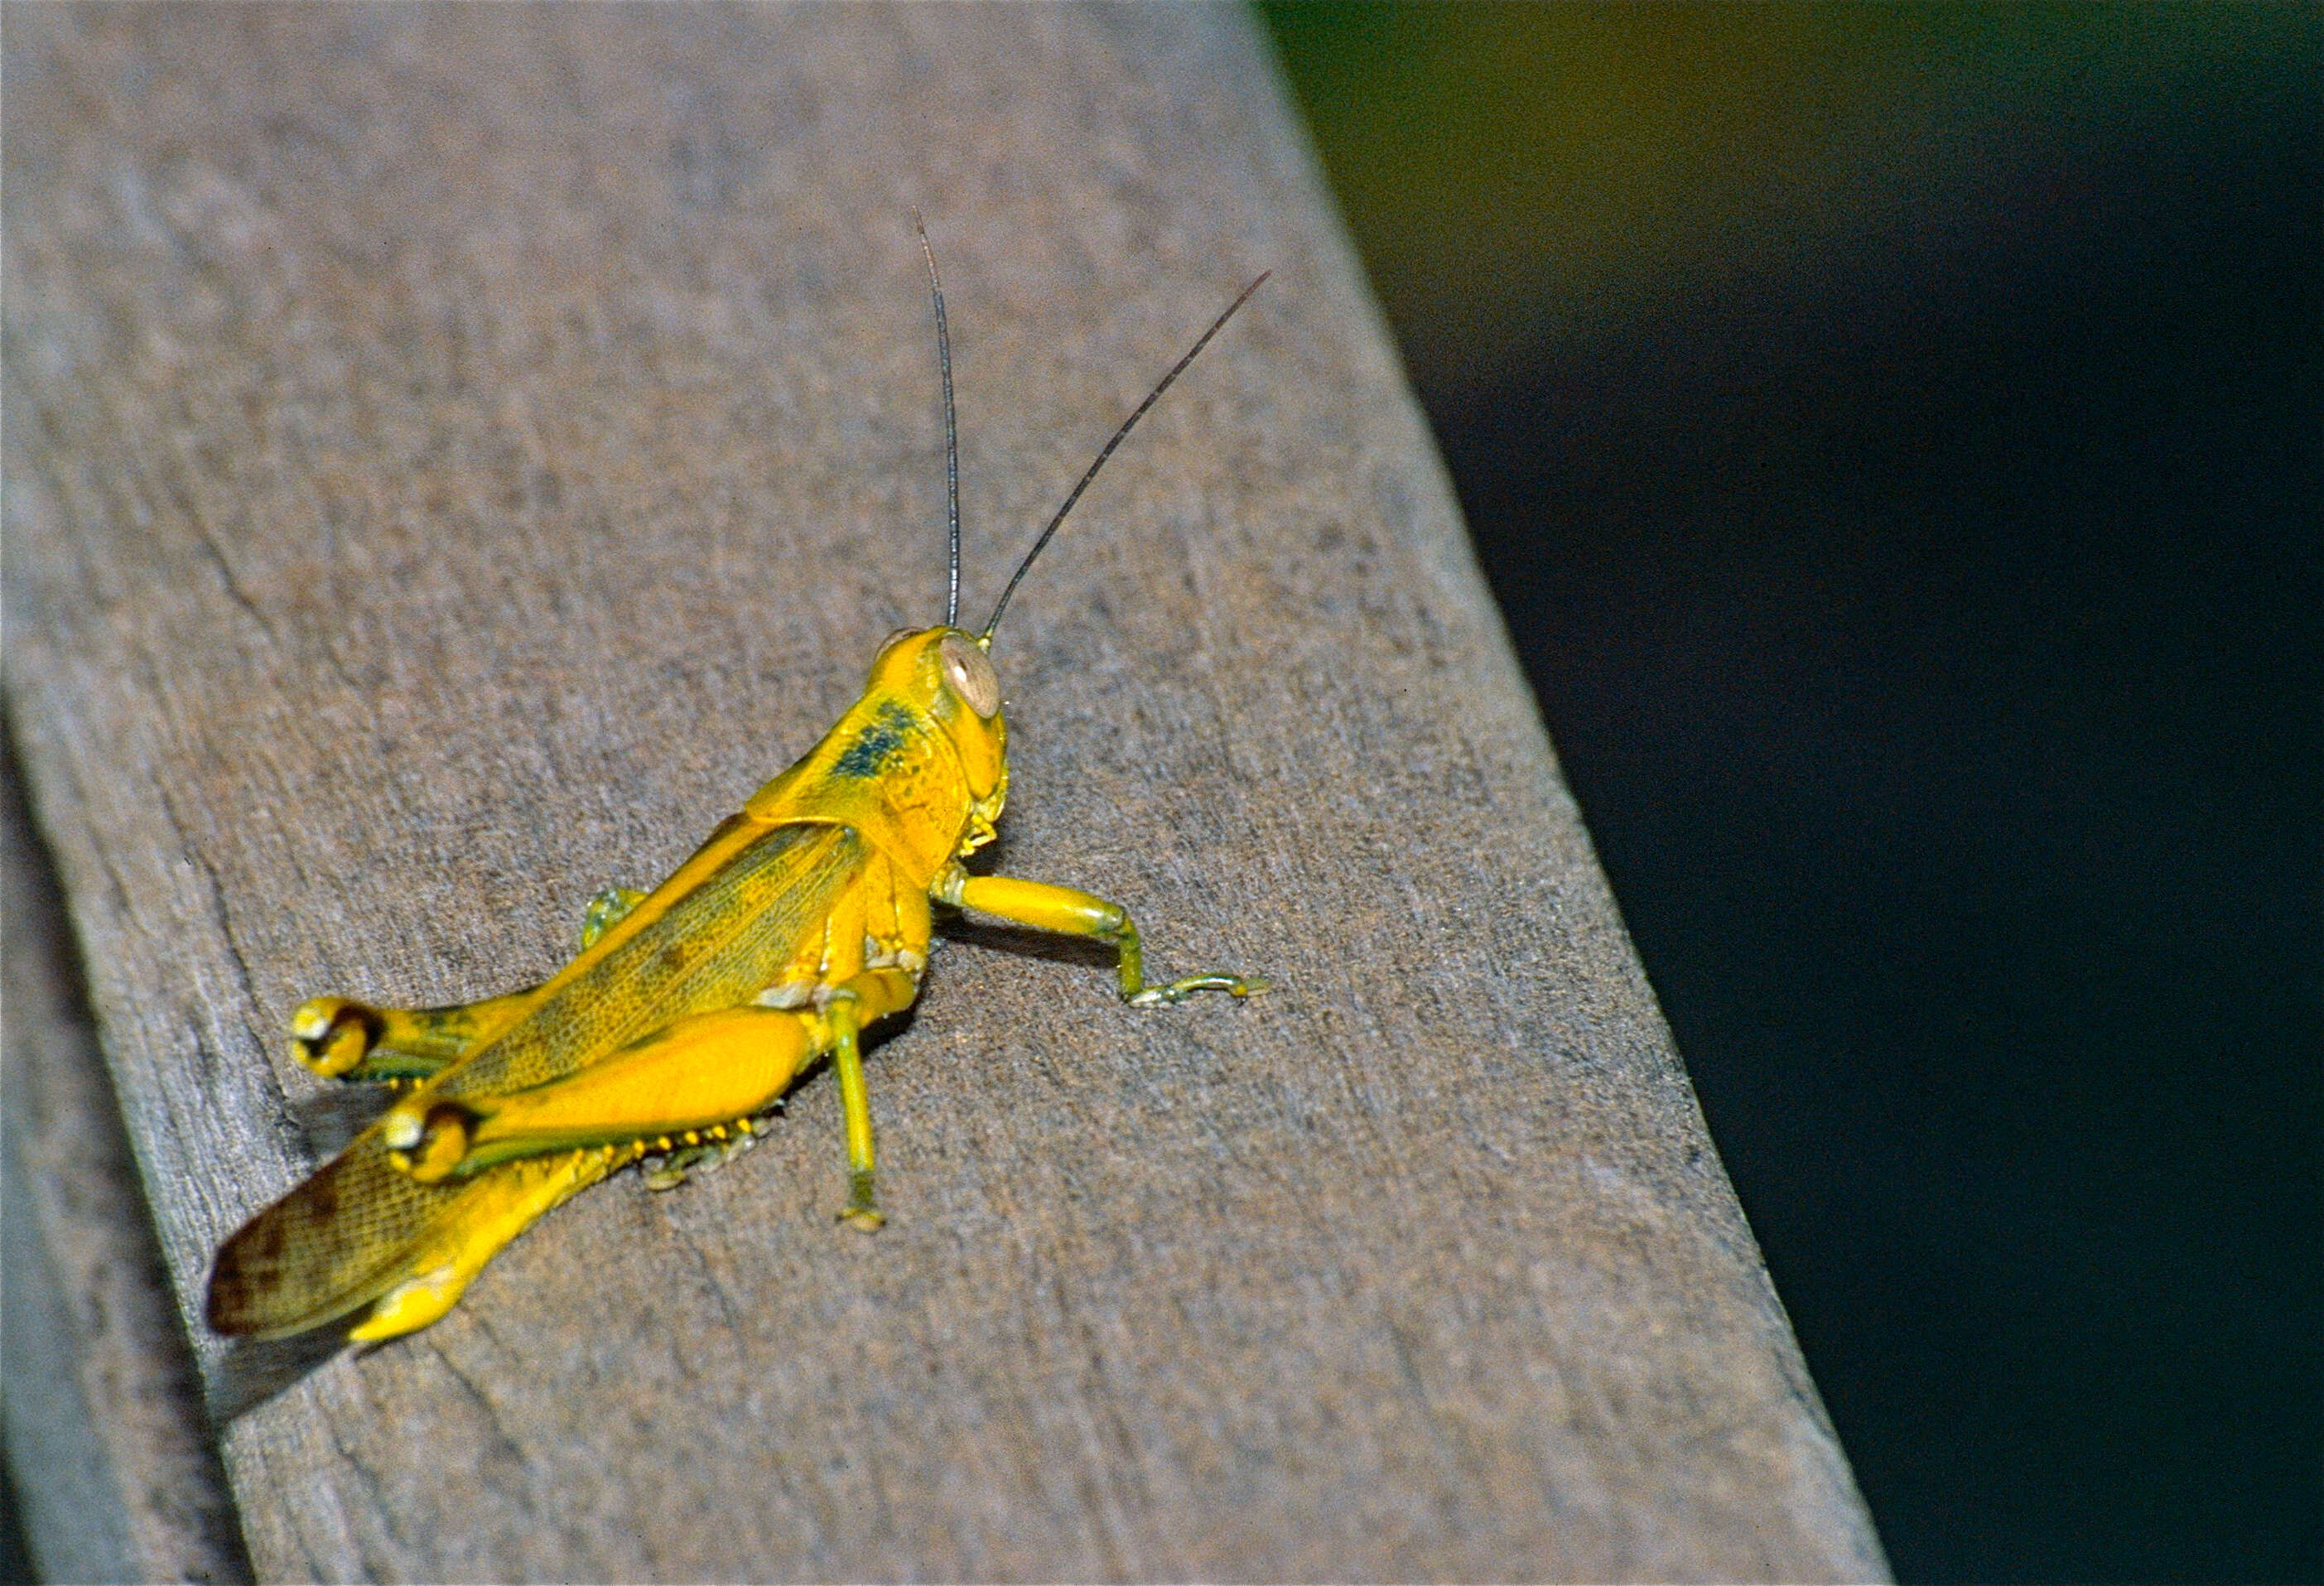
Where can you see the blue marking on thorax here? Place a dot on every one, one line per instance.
(879, 745)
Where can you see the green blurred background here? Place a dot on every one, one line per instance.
(1893, 435)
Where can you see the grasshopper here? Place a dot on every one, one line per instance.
(690, 1009)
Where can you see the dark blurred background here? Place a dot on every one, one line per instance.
(1893, 435)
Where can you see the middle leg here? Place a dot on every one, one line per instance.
(871, 995)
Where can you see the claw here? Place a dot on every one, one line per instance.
(1177, 991)
(860, 1213)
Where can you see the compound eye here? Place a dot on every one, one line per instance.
(970, 673)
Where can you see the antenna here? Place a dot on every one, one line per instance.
(1105, 451)
(952, 429)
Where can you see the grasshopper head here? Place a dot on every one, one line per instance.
(944, 675)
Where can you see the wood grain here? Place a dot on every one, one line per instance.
(454, 454)
(111, 1459)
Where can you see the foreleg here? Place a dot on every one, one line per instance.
(1071, 913)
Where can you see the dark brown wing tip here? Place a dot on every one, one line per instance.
(229, 1306)
(223, 1312)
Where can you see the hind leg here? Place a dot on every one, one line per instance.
(341, 1038)
(498, 1207)
(695, 1076)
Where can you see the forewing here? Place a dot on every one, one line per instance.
(716, 945)
(338, 1242)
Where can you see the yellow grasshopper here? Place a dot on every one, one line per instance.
(690, 1009)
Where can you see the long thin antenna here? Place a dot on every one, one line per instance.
(952, 429)
(1106, 451)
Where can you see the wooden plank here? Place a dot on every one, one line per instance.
(454, 454)
(112, 1462)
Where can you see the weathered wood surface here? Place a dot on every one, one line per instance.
(112, 1460)
(454, 454)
